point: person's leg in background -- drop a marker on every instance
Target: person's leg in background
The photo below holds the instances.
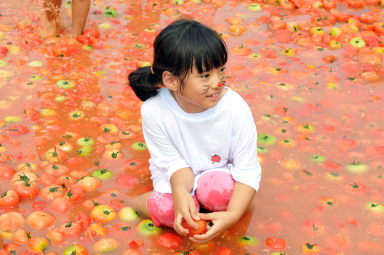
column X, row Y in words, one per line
column 52, row 12
column 80, row 9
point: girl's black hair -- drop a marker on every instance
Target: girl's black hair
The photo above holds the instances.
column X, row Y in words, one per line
column 178, row 48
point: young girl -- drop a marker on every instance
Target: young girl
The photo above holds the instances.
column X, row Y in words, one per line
column 200, row 134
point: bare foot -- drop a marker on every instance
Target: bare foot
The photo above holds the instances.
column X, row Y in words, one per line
column 48, row 29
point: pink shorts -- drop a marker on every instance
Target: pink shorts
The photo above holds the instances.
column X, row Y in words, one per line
column 214, row 190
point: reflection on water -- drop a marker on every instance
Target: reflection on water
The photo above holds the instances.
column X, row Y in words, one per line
column 318, row 112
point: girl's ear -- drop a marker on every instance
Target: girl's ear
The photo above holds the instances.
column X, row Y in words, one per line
column 170, row 81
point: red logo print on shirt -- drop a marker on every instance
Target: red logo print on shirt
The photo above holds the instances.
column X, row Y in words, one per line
column 215, row 159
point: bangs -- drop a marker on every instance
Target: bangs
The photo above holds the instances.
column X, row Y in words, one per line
column 202, row 48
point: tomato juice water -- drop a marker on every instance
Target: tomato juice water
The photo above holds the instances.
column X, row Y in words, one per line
column 312, row 75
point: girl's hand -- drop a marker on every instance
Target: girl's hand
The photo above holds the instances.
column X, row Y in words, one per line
column 185, row 208
column 221, row 221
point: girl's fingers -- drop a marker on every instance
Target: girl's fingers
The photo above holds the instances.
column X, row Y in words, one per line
column 192, row 210
column 178, row 227
column 189, row 220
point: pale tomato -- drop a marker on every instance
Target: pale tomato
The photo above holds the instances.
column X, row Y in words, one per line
column 11, row 221
column 89, row 183
column 60, row 205
column 40, row 220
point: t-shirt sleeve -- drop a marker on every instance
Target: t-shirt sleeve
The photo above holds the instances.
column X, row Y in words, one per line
column 164, row 155
column 245, row 165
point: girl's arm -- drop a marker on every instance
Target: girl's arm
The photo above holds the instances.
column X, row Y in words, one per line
column 182, row 184
column 240, row 200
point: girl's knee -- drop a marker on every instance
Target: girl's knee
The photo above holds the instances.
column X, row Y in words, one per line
column 215, row 190
column 160, row 207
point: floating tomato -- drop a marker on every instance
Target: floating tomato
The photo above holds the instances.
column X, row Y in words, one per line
column 170, row 241
column 17, row 130
column 11, row 221
column 276, row 243
column 9, row 199
column 223, row 251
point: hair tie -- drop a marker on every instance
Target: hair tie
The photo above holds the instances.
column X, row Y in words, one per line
column 152, row 70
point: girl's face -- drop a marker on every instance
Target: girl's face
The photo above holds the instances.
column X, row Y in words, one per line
column 201, row 91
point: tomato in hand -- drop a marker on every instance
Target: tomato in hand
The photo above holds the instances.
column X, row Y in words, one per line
column 201, row 227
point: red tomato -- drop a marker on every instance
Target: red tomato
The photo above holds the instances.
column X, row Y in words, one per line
column 27, row 190
column 60, row 205
column 126, row 181
column 83, row 219
column 17, row 130
column 39, row 205
column 9, row 199
column 201, row 227
column 170, row 241
column 70, row 229
column 276, row 243
column 3, row 50
column 223, row 251
column 6, row 172
column 75, row 193
column 91, row 32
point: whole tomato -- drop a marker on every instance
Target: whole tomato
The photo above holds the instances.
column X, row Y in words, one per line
column 201, row 227
column 223, row 251
column 6, row 172
column 91, row 32
column 9, row 199
column 27, row 190
column 170, row 241
column 3, row 50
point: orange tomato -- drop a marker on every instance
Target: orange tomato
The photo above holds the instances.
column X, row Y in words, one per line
column 56, row 236
column 40, row 220
column 11, row 221
column 89, row 183
column 21, row 236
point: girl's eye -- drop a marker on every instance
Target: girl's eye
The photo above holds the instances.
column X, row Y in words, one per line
column 204, row 76
column 222, row 69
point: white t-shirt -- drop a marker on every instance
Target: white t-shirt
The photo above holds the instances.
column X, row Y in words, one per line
column 222, row 137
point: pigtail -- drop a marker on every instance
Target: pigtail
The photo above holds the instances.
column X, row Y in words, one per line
column 144, row 82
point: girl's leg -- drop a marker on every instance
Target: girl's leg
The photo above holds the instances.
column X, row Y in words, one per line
column 52, row 9
column 80, row 9
column 140, row 204
column 158, row 206
column 214, row 190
